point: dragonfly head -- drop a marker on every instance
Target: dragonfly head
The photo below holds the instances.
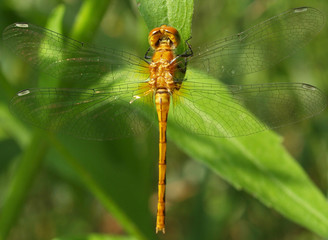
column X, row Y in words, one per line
column 164, row 34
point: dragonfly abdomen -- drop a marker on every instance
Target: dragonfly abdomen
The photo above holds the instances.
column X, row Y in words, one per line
column 162, row 101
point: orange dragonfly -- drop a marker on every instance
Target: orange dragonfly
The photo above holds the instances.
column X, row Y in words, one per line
column 100, row 87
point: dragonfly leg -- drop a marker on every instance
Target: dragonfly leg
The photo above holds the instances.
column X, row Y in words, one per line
column 146, row 54
column 188, row 52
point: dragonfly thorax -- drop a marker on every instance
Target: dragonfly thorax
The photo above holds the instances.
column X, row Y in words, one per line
column 161, row 74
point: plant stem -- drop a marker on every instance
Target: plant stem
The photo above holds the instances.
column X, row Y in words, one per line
column 88, row 19
column 21, row 183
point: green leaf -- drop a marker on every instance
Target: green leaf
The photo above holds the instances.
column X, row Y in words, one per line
column 259, row 164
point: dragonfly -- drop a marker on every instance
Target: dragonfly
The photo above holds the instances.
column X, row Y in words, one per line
column 104, row 94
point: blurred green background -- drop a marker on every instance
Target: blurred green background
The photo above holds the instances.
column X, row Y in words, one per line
column 75, row 187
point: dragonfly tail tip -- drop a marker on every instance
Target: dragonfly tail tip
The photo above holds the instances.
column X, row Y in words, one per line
column 160, row 230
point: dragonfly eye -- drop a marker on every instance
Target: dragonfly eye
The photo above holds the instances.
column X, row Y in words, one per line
column 162, row 34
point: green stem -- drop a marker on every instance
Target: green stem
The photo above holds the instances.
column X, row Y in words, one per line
column 6, row 90
column 21, row 183
column 88, row 19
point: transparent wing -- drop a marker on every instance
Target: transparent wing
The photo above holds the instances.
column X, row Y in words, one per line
column 77, row 64
column 238, row 110
column 99, row 85
column 97, row 114
column 261, row 46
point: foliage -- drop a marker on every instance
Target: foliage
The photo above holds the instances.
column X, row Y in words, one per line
column 46, row 180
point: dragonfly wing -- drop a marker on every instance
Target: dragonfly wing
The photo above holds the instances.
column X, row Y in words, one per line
column 84, row 113
column 238, row 110
column 261, row 46
column 77, row 64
